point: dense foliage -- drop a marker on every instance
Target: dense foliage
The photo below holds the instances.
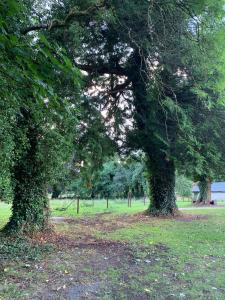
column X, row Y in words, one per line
column 116, row 179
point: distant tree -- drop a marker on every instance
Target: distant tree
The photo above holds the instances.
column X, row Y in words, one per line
column 115, row 179
column 208, row 165
column 183, row 186
column 56, row 191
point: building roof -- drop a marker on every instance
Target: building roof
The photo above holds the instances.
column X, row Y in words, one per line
column 215, row 187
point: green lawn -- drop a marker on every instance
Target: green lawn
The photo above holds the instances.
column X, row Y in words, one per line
column 118, row 256
column 136, row 257
column 190, row 255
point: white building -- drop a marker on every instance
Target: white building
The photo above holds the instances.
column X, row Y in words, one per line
column 217, row 191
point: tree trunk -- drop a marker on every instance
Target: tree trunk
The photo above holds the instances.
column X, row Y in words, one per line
column 56, row 191
column 209, row 196
column 204, row 190
column 30, row 204
column 162, row 187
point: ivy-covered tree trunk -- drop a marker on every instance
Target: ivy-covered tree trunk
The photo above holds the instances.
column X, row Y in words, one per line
column 204, row 190
column 30, row 204
column 150, row 121
column 162, row 186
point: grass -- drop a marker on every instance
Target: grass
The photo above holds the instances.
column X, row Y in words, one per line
column 118, row 256
column 4, row 213
column 87, row 207
column 191, row 262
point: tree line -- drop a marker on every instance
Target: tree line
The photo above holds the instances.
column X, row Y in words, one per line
column 117, row 178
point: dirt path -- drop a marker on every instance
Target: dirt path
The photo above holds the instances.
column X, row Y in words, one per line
column 107, row 222
column 87, row 262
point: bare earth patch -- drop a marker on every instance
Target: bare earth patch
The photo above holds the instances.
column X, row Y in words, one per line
column 108, row 223
column 190, row 218
column 89, row 258
column 104, row 221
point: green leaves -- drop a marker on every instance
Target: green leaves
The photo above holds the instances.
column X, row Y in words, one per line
column 10, row 7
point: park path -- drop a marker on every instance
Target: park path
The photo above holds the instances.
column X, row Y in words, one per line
column 202, row 207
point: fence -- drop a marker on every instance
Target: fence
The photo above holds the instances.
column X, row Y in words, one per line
column 78, row 205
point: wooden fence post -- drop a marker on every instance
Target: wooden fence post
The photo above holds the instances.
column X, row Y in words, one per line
column 78, row 205
column 129, row 198
column 107, row 202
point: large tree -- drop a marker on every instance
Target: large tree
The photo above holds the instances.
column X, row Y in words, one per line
column 39, row 122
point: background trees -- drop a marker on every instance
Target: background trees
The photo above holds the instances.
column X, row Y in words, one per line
column 117, row 178
column 207, row 164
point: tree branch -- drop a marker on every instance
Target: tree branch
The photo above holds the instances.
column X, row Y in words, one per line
column 102, row 69
column 120, row 87
column 74, row 13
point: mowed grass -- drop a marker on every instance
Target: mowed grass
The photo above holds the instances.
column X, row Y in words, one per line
column 187, row 258
column 152, row 258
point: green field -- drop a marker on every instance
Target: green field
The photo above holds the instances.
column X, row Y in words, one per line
column 68, row 207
